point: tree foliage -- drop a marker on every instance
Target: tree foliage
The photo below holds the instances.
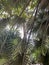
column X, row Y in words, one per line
column 31, row 17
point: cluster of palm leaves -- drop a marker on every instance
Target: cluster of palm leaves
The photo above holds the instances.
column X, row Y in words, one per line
column 33, row 17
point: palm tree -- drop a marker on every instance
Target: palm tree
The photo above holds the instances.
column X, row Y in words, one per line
column 15, row 14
